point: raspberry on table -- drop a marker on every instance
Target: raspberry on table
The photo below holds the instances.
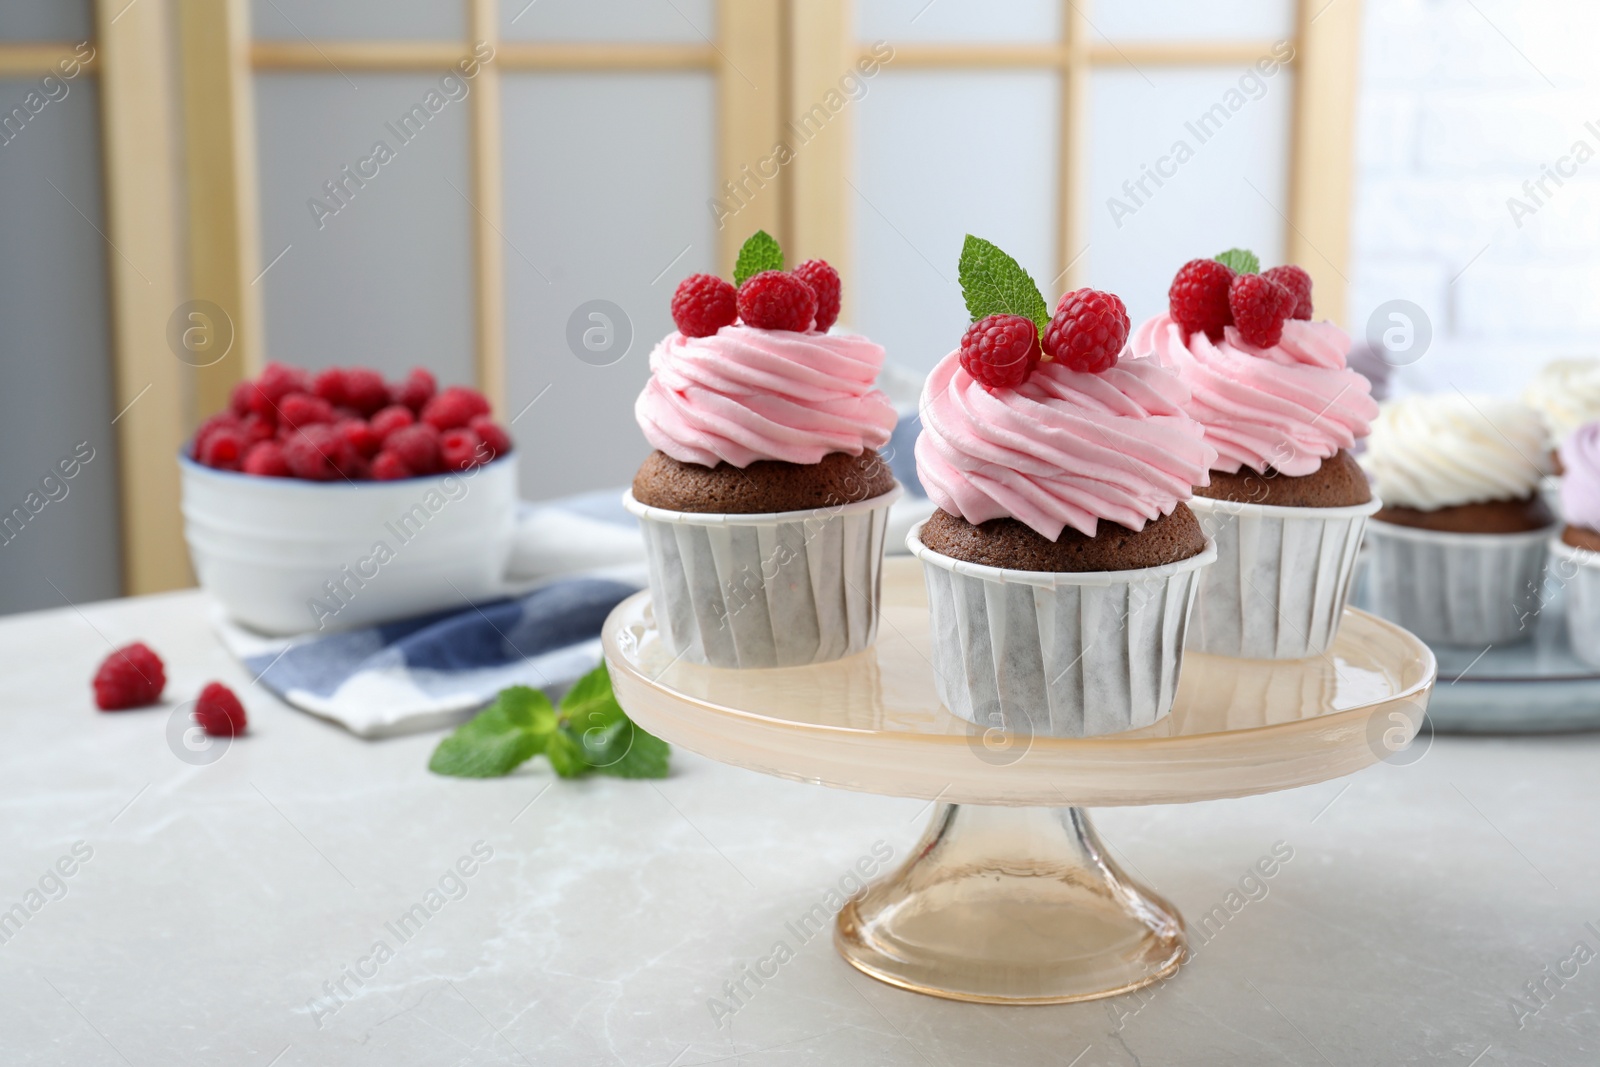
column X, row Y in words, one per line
column 1088, row 331
column 461, row 449
column 417, row 447
column 1000, row 351
column 415, row 392
column 454, row 407
column 388, row 467
column 265, row 458
column 131, row 677
column 1198, row 298
column 777, row 300
column 704, row 304
column 1260, row 308
column 824, row 281
column 1298, row 282
column 298, row 410
column 492, row 434
column 392, row 418
column 219, row 712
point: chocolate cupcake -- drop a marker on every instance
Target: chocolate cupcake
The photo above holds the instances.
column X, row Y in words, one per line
column 1285, row 500
column 765, row 504
column 1062, row 563
column 1458, row 549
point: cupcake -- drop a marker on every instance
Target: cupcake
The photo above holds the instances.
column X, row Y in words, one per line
column 1285, row 500
column 1458, row 549
column 1577, row 550
column 765, row 503
column 1061, row 561
column 1566, row 394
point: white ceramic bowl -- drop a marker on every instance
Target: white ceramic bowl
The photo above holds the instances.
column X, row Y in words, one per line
column 285, row 556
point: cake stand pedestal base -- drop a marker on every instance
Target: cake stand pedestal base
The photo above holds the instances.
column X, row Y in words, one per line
column 1011, row 905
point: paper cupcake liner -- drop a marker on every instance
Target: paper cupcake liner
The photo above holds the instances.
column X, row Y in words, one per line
column 1281, row 580
column 1578, row 572
column 775, row 590
column 1456, row 588
column 1058, row 654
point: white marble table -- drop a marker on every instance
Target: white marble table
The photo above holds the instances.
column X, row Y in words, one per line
column 216, row 901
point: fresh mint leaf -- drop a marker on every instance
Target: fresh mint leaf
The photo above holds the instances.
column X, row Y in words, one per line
column 607, row 739
column 759, row 253
column 646, row 756
column 1240, row 261
column 995, row 284
column 565, row 753
column 499, row 738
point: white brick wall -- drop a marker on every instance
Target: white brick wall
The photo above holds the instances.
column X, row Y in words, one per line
column 1461, row 103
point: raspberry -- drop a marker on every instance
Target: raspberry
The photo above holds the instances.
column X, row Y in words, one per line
column 388, row 467
column 454, row 407
column 777, row 300
column 361, row 437
column 824, row 281
column 256, row 428
column 392, row 418
column 224, row 448
column 219, row 712
column 1088, row 331
column 278, row 381
column 298, row 410
column 1298, row 282
column 417, row 447
column 1198, row 298
column 318, row 453
column 225, row 421
column 1000, row 351
column 239, row 399
column 492, row 435
column 461, row 449
column 364, row 390
column 265, row 458
column 704, row 304
column 1260, row 308
column 329, row 385
column 416, row 390
column 130, row 677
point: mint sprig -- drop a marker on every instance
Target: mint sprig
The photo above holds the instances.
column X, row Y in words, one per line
column 1240, row 261
column 589, row 732
column 992, row 283
column 760, row 252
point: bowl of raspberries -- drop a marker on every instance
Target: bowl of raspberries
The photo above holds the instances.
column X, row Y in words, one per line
column 333, row 499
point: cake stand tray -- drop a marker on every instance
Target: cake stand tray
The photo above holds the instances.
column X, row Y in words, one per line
column 1010, row 897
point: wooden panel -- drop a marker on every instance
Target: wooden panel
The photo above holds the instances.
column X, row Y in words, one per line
column 224, row 247
column 1320, row 164
column 488, row 221
column 1072, row 135
column 32, row 59
column 1043, row 54
column 750, row 105
column 1178, row 53
column 820, row 203
column 510, row 55
column 142, row 266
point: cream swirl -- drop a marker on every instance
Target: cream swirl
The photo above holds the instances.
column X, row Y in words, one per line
column 1431, row 452
column 744, row 394
column 1566, row 393
column 1288, row 407
column 1580, row 477
column 1063, row 448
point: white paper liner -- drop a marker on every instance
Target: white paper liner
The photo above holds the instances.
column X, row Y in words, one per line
column 1457, row 588
column 1578, row 572
column 777, row 590
column 1059, row 654
column 1281, row 580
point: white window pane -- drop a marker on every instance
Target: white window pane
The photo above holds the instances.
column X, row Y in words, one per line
column 384, row 281
column 607, row 182
column 684, row 21
column 46, row 20
column 362, row 19
column 958, row 20
column 1227, row 192
column 923, row 186
column 1185, row 20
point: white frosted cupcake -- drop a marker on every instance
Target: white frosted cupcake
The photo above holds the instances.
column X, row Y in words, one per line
column 1566, row 394
column 1458, row 549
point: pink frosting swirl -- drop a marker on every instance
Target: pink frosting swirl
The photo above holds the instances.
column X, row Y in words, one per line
column 1062, row 449
column 1288, row 407
column 745, row 394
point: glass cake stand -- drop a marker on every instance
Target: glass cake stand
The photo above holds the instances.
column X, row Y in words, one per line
column 1010, row 897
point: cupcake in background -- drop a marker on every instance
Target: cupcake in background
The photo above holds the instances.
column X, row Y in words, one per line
column 1577, row 550
column 765, row 505
column 1566, row 394
column 1286, row 500
column 1458, row 549
column 1061, row 563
